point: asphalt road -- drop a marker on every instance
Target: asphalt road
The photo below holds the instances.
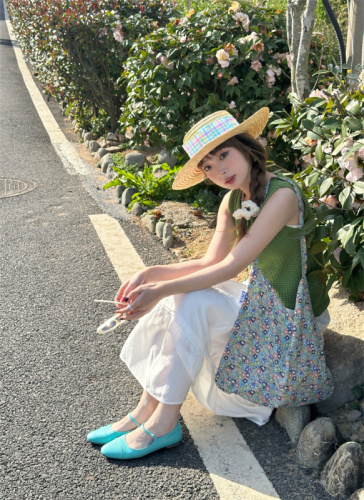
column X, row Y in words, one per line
column 59, row 379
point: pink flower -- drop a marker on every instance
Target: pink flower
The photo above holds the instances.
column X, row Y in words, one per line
column 243, row 19
column 263, row 141
column 318, row 93
column 272, row 134
column 233, row 81
column 288, row 58
column 118, row 35
column 355, row 172
column 308, row 159
column 330, row 200
column 232, row 105
column 337, row 253
column 361, row 153
column 183, row 39
column 219, row 75
column 256, row 66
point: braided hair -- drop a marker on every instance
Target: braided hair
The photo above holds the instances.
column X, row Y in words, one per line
column 255, row 154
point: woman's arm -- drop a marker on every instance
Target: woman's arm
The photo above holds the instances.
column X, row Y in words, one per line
column 281, row 208
column 220, row 245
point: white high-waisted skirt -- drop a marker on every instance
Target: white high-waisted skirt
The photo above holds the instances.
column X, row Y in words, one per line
column 178, row 345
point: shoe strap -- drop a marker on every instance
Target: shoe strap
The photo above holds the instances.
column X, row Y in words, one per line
column 153, row 436
column 133, row 420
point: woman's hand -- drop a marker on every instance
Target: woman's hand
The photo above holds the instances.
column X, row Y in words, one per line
column 136, row 280
column 141, row 300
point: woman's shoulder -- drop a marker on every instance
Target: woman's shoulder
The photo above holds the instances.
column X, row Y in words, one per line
column 276, row 183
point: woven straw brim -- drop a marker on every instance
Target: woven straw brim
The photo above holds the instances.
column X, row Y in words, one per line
column 190, row 174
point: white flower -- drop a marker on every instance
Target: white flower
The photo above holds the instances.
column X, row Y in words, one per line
column 232, row 105
column 222, row 58
column 183, row 39
column 129, row 133
column 248, row 210
column 118, row 36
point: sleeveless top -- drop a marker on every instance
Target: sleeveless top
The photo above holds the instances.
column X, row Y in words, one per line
column 280, row 261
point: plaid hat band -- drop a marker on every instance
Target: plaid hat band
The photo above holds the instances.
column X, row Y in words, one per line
column 208, row 133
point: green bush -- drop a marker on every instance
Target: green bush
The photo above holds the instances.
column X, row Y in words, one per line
column 223, row 58
column 78, row 47
column 328, row 132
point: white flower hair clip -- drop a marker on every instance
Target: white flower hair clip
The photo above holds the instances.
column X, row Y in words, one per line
column 248, row 210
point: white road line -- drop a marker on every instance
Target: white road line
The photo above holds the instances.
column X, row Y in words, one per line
column 232, row 466
column 64, row 149
column 118, row 247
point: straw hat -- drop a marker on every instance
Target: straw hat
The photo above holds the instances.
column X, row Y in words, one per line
column 207, row 134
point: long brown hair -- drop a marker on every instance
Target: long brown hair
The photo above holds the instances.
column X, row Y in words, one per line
column 256, row 156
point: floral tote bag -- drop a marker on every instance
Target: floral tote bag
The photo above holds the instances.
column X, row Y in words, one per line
column 275, row 358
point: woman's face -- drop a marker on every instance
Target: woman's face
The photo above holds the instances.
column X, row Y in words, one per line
column 227, row 168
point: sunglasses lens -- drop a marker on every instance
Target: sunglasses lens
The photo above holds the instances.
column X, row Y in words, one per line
column 108, row 326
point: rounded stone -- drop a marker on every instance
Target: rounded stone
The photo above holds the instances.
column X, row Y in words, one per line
column 317, row 442
column 137, row 159
column 166, row 157
column 119, row 190
column 93, row 146
column 104, row 167
column 344, row 472
column 167, row 235
column 358, row 495
column 88, row 136
column 294, row 420
column 127, row 195
column 159, row 229
column 149, row 222
column 111, row 137
column 101, row 152
column 137, row 209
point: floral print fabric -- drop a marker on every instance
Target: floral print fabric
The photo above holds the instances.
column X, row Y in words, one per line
column 275, row 358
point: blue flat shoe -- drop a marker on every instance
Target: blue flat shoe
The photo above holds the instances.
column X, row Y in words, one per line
column 118, row 449
column 105, row 434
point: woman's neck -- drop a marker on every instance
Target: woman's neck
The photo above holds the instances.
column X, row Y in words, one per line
column 246, row 191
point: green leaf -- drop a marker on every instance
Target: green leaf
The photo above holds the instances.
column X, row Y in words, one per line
column 115, row 182
column 308, row 124
column 353, row 107
column 345, row 235
column 353, row 123
column 359, row 187
column 346, row 277
column 338, row 148
column 318, row 247
column 326, row 185
column 331, row 123
column 346, row 198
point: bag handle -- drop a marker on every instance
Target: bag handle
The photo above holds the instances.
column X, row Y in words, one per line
column 300, row 222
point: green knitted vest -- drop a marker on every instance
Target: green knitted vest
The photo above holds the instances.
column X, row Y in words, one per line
column 280, row 261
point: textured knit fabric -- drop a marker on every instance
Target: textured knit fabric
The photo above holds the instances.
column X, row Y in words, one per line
column 280, row 261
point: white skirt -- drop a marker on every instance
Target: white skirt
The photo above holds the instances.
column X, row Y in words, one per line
column 178, row 345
